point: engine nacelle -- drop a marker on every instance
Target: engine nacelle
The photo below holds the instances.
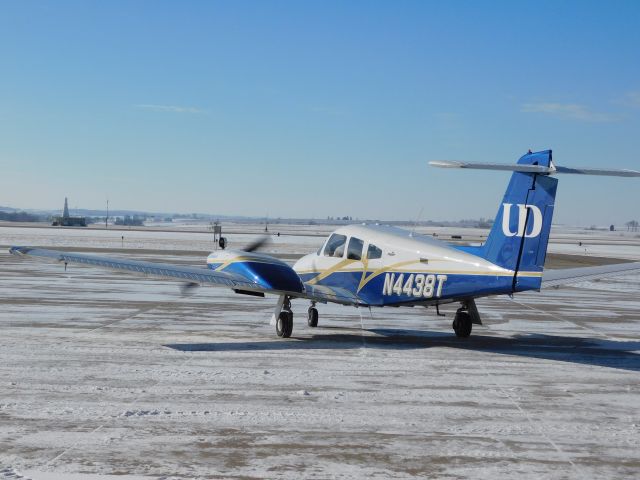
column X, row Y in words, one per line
column 267, row 271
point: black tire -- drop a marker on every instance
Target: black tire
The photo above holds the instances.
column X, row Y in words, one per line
column 289, row 328
column 280, row 323
column 312, row 317
column 462, row 324
column 284, row 324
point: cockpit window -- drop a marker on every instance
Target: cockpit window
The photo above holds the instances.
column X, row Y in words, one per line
column 335, row 246
column 373, row 252
column 354, row 251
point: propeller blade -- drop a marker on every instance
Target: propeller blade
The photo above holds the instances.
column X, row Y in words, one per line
column 189, row 288
column 258, row 244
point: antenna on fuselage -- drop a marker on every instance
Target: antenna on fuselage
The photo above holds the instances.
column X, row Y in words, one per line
column 415, row 224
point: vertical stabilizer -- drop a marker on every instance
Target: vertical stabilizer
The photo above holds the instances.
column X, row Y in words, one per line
column 520, row 234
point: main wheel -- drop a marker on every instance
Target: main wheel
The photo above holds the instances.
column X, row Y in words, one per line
column 462, row 324
column 284, row 325
column 312, row 317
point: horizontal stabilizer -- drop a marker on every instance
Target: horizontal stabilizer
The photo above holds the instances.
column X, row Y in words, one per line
column 493, row 166
column 599, row 171
column 539, row 169
column 567, row 276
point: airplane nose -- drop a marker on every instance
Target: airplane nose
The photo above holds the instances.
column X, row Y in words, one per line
column 303, row 262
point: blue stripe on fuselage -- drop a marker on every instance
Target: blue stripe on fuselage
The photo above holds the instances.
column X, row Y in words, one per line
column 455, row 286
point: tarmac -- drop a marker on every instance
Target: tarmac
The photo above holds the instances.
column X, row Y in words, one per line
column 108, row 375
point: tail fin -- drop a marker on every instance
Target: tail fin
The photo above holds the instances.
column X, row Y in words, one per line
column 520, row 234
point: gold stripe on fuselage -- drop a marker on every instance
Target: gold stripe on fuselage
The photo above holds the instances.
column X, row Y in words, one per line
column 380, row 271
column 325, row 273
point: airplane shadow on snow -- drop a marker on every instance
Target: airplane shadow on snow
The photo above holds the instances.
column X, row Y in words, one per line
column 579, row 350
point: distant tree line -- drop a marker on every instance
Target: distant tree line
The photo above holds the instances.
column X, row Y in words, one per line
column 20, row 217
column 632, row 226
column 343, row 219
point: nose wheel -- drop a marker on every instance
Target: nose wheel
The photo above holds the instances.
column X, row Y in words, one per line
column 312, row 315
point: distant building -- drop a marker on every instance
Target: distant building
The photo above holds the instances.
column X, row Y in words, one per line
column 130, row 221
column 67, row 220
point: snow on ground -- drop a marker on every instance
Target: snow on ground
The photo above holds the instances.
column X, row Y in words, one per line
column 182, row 240
column 104, row 374
column 629, row 252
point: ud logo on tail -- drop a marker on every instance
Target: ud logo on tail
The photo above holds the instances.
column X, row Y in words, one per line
column 522, row 219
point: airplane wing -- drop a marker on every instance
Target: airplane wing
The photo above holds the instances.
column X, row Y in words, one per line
column 200, row 275
column 161, row 270
column 556, row 278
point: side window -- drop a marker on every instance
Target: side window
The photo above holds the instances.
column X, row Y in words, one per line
column 354, row 252
column 335, row 246
column 373, row 252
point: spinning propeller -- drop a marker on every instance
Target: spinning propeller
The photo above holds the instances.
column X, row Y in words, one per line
column 189, row 288
column 256, row 245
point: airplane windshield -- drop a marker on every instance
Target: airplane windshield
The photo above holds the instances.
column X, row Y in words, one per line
column 335, row 246
column 354, row 251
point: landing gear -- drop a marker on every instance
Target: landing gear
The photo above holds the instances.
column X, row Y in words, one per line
column 312, row 315
column 465, row 317
column 284, row 322
column 462, row 324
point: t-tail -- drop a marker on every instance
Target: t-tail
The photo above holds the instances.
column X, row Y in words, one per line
column 520, row 234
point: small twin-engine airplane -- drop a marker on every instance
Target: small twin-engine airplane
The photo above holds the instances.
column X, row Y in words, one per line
column 377, row 266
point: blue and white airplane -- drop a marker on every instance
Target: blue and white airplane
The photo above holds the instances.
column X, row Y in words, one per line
column 377, row 266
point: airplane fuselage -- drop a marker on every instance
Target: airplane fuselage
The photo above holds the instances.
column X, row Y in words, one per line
column 390, row 266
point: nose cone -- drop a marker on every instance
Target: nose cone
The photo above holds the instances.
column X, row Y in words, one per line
column 305, row 263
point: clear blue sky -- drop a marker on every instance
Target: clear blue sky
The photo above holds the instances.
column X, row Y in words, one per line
column 315, row 108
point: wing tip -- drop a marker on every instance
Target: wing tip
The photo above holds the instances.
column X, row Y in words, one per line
column 446, row 164
column 15, row 250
